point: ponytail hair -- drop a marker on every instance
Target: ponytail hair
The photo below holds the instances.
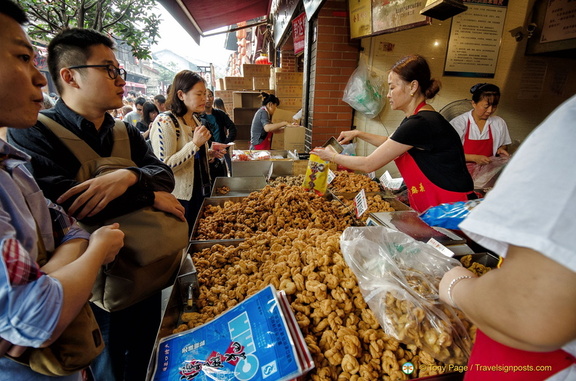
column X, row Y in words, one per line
column 267, row 98
column 415, row 68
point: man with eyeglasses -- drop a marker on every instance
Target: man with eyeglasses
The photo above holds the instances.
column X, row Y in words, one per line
column 135, row 116
column 90, row 82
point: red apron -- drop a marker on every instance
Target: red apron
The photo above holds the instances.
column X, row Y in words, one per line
column 491, row 360
column 265, row 144
column 422, row 193
column 482, row 147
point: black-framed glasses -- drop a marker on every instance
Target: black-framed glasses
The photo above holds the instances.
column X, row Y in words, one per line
column 113, row 71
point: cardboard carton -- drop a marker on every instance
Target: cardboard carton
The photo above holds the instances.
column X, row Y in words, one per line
column 255, row 70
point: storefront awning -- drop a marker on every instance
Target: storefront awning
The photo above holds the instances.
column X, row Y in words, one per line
column 198, row 17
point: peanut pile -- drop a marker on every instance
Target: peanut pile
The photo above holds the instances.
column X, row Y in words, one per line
column 288, row 180
column 352, row 182
column 272, row 209
column 341, row 332
column 375, row 204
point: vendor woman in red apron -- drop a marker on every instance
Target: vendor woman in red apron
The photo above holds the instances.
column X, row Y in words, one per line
column 262, row 127
column 425, row 147
column 483, row 134
column 525, row 311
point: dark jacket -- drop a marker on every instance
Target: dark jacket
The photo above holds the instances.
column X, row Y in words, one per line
column 54, row 167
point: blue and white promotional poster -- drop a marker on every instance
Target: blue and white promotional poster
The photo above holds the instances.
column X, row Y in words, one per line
column 251, row 341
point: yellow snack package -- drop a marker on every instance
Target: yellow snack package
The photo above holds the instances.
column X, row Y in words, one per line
column 316, row 178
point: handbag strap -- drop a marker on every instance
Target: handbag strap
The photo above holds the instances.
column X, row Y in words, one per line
column 80, row 148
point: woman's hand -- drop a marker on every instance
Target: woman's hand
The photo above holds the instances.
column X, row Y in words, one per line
column 502, row 152
column 216, row 153
column 201, row 136
column 478, row 159
column 347, row 136
column 447, row 279
column 326, row 154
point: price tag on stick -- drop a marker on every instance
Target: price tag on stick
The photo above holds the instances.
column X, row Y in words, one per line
column 361, row 203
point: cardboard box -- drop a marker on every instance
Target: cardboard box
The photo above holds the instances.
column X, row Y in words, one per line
column 221, row 85
column 244, row 115
column 287, row 78
column 255, row 70
column 246, row 99
column 288, row 91
column 291, row 138
column 281, row 115
column 291, row 103
column 261, row 83
column 238, row 83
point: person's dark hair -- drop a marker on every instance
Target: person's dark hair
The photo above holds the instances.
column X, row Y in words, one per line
column 132, row 93
column 139, row 101
column 219, row 104
column 415, row 68
column 147, row 108
column 487, row 91
column 14, row 11
column 267, row 98
column 185, row 81
column 72, row 47
column 160, row 98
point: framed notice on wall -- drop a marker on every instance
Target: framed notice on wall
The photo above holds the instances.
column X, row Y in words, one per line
column 360, row 18
column 475, row 41
column 394, row 15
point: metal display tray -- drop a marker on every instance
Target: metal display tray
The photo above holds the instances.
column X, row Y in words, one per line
column 178, row 300
column 386, row 195
column 408, row 222
column 239, row 186
column 214, row 201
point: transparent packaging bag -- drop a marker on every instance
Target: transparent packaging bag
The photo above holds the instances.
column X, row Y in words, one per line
column 399, row 277
column 364, row 90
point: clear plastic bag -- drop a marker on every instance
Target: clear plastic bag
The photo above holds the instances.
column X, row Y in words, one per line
column 399, row 278
column 363, row 91
column 484, row 175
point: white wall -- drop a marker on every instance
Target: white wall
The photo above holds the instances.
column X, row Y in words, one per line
column 431, row 41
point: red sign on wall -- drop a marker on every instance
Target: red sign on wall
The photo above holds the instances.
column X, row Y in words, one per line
column 299, row 32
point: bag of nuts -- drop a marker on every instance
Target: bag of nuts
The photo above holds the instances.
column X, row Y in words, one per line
column 399, row 277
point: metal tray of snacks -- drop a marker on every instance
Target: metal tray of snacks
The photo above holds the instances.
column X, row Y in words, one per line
column 237, row 186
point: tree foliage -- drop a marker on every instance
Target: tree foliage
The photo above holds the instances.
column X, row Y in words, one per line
column 133, row 21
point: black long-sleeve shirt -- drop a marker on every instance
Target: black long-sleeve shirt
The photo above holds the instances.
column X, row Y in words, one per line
column 54, row 167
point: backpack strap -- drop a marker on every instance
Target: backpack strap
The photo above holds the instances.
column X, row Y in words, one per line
column 80, row 148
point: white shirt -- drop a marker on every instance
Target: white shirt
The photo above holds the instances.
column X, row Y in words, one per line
column 533, row 202
column 500, row 135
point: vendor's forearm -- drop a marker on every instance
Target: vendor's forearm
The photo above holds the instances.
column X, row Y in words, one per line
column 535, row 314
column 375, row 140
column 357, row 163
column 274, row 126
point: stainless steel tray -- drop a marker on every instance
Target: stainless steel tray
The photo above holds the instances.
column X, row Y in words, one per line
column 408, row 221
column 239, row 186
column 179, row 296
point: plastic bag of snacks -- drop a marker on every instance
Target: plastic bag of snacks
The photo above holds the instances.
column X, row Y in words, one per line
column 449, row 215
column 316, row 178
column 399, row 277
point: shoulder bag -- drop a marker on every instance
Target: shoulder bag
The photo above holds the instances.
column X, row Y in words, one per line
column 154, row 241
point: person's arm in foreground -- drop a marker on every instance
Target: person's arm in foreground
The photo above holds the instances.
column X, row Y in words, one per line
column 383, row 155
column 529, row 303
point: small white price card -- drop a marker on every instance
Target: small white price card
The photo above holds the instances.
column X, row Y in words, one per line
column 361, row 203
column 390, row 183
column 372, row 175
column 331, row 176
column 441, row 248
